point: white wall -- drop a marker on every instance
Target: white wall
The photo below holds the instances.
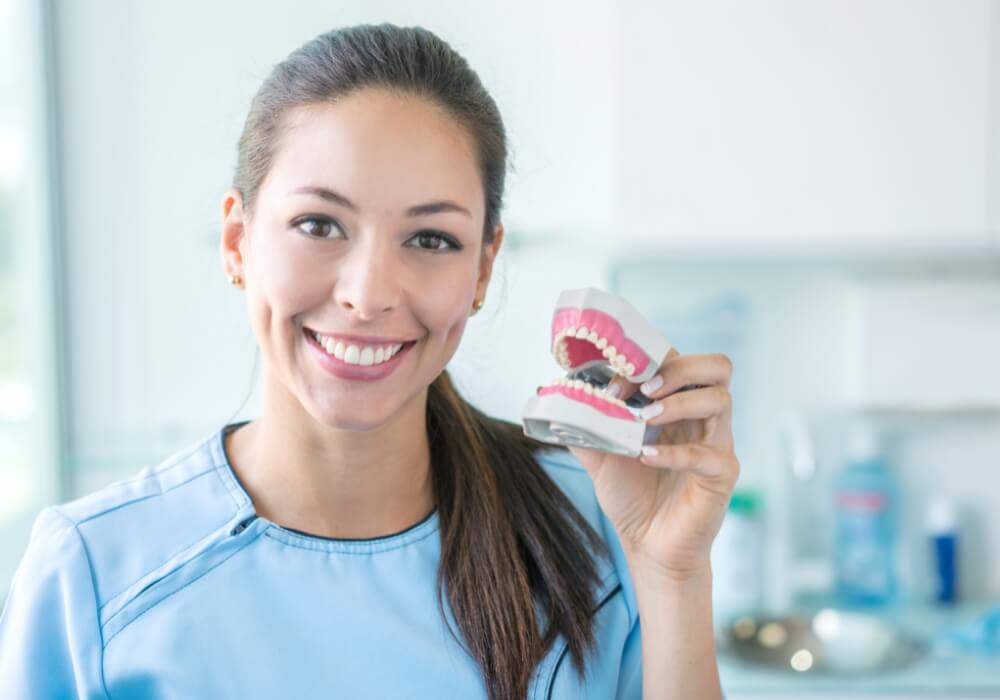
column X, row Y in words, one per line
column 153, row 95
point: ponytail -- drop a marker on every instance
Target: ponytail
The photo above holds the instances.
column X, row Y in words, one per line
column 510, row 539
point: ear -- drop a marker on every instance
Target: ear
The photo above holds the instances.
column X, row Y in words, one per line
column 486, row 262
column 233, row 233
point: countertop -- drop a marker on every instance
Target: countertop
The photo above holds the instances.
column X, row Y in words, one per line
column 935, row 675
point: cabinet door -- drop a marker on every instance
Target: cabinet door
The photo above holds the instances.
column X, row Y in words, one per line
column 826, row 121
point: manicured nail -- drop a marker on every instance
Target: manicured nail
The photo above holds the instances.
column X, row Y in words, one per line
column 653, row 409
column 615, row 390
column 648, row 451
column 652, row 385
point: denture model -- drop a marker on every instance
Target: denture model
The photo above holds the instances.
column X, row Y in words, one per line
column 596, row 336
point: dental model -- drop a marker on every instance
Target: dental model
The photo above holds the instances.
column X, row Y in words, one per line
column 595, row 337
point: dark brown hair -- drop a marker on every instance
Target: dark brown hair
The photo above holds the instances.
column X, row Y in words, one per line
column 510, row 538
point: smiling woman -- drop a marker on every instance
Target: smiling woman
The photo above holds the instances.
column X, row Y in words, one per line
column 371, row 533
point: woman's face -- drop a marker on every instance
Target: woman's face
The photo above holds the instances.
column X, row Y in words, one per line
column 336, row 245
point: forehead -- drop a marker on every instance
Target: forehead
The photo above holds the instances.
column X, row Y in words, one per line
column 382, row 151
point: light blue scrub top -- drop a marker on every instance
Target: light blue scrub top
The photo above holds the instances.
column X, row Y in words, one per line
column 167, row 585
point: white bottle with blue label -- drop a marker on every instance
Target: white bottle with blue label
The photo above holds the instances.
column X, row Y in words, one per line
column 865, row 529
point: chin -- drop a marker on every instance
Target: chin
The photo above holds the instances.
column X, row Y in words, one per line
column 346, row 414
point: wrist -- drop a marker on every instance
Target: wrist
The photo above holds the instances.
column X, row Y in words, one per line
column 645, row 570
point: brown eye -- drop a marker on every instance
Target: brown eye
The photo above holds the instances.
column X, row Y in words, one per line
column 316, row 227
column 435, row 242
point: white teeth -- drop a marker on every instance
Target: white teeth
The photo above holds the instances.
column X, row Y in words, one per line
column 355, row 355
column 618, row 361
column 589, row 389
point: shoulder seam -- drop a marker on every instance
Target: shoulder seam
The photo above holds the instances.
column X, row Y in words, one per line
column 137, row 499
column 93, row 589
column 167, row 465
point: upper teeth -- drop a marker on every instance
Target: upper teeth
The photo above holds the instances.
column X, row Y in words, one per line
column 357, row 354
column 619, row 363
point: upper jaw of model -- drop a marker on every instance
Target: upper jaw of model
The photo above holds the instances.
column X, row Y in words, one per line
column 590, row 328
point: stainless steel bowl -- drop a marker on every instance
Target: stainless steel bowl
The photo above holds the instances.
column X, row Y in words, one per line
column 829, row 641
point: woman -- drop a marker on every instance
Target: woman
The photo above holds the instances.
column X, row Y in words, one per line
column 371, row 534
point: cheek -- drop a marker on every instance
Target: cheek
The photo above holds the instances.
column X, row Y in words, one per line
column 445, row 309
column 287, row 284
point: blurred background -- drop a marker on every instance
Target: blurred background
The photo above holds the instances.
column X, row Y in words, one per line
column 811, row 188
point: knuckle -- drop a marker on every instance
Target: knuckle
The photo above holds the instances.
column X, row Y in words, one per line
column 727, row 363
column 727, row 399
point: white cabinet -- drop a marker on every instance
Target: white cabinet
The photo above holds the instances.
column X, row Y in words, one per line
column 923, row 345
column 858, row 123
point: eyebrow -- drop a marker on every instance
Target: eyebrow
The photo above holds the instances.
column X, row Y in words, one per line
column 417, row 210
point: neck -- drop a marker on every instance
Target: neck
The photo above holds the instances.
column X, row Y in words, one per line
column 331, row 482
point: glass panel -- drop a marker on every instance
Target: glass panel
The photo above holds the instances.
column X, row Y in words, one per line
column 28, row 471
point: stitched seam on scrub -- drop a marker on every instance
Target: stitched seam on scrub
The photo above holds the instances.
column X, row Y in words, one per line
column 608, row 596
column 562, row 654
column 173, row 593
column 93, row 587
column 176, row 461
column 605, row 593
column 144, row 497
column 363, row 550
column 189, row 545
column 226, row 476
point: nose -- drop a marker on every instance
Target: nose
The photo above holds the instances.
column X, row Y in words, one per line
column 368, row 281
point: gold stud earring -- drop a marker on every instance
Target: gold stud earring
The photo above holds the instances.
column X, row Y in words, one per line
column 477, row 305
column 236, row 281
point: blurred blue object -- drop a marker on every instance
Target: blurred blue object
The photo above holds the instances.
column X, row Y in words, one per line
column 981, row 636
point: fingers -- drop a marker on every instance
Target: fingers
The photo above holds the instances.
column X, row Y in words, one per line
column 697, row 459
column 685, row 370
column 697, row 403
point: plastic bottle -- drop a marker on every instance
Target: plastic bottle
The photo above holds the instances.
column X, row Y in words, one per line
column 941, row 525
column 738, row 558
column 865, row 529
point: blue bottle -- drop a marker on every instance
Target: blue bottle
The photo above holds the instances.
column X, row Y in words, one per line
column 865, row 529
column 941, row 523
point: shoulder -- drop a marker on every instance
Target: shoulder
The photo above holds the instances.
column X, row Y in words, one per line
column 576, row 483
column 136, row 525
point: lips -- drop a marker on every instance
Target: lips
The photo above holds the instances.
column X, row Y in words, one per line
column 357, row 372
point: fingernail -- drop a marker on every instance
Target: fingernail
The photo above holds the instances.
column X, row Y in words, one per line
column 649, row 451
column 615, row 390
column 652, row 385
column 653, row 409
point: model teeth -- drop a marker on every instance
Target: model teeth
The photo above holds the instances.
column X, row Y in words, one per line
column 619, row 363
column 589, row 389
column 364, row 355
